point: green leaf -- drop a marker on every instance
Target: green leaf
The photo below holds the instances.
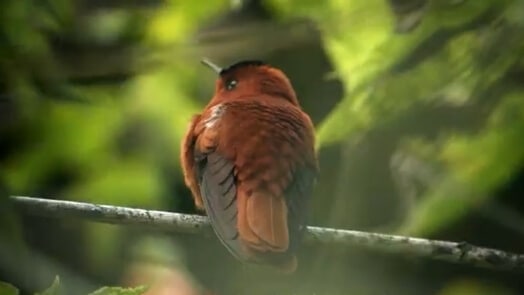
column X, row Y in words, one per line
column 477, row 165
column 120, row 291
column 367, row 58
column 8, row 289
column 53, row 289
column 467, row 286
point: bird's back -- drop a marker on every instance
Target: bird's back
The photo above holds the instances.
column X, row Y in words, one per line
column 271, row 152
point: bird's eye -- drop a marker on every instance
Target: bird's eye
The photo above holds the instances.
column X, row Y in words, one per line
column 231, row 84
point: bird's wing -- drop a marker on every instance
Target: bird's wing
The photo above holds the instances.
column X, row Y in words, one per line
column 275, row 223
column 297, row 195
column 277, row 215
column 217, row 184
column 215, row 175
column 298, row 192
column 187, row 159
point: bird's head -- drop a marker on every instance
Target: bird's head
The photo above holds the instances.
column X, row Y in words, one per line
column 249, row 79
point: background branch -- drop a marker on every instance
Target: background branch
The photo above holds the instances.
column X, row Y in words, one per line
column 461, row 252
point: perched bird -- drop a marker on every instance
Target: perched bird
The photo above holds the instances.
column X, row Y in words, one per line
column 250, row 163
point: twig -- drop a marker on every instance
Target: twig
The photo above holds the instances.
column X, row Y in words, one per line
column 463, row 253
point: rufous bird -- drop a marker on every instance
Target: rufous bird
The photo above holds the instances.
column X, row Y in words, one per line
column 250, row 163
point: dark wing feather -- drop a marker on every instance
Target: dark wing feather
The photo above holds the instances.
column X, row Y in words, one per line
column 298, row 194
column 218, row 189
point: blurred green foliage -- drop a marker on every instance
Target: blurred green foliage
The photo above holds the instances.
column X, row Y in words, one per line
column 120, row 291
column 8, row 289
column 369, row 59
column 54, row 289
column 477, row 163
column 473, row 287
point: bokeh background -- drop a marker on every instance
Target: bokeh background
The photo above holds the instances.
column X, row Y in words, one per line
column 419, row 113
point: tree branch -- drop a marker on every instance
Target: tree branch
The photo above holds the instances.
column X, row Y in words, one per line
column 462, row 253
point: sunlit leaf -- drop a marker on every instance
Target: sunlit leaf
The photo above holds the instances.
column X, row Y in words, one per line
column 54, row 289
column 178, row 19
column 473, row 287
column 120, row 291
column 8, row 289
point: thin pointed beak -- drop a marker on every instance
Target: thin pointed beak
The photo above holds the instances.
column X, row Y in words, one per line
column 213, row 66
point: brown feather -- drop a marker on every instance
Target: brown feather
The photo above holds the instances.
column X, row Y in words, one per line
column 268, row 160
column 244, row 230
column 267, row 218
column 249, row 159
column 188, row 162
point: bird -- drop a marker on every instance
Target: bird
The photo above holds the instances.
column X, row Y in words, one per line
column 249, row 161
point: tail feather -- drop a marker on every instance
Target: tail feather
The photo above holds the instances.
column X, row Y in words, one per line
column 267, row 218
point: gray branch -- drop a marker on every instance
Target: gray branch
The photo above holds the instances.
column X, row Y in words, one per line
column 463, row 253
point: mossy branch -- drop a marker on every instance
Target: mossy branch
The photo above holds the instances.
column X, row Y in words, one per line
column 456, row 252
